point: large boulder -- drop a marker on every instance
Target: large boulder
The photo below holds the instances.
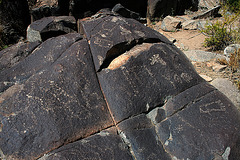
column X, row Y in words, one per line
column 119, row 91
column 121, row 10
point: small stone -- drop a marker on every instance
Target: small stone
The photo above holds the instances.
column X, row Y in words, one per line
column 231, row 49
column 170, row 24
column 173, row 40
column 207, row 78
column 219, row 67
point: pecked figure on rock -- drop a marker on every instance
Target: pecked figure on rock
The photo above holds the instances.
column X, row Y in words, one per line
column 118, row 91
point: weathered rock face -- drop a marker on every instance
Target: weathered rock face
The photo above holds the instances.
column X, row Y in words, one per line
column 14, row 18
column 121, row 92
column 12, row 55
column 67, row 103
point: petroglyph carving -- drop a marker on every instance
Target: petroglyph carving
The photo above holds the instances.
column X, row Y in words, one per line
column 186, row 77
column 216, row 106
column 157, row 59
column 124, row 31
column 99, row 42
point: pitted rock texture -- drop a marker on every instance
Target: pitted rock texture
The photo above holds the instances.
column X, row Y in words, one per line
column 119, row 91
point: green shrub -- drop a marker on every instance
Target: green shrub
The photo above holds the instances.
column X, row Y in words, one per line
column 232, row 5
column 222, row 33
column 218, row 36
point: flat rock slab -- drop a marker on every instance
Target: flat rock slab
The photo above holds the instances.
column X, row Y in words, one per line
column 48, row 27
column 190, row 25
column 202, row 56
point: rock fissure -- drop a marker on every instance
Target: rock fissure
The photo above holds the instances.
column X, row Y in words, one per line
column 124, row 140
column 127, row 142
column 48, row 153
column 145, row 113
column 59, row 56
column 121, row 48
column 188, row 104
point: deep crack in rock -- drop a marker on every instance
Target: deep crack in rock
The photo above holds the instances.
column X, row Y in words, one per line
column 121, row 48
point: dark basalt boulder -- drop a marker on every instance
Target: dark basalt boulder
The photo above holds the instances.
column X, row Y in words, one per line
column 12, row 55
column 48, row 27
column 118, row 91
column 121, row 10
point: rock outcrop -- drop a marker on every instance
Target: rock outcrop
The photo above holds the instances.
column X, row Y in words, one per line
column 118, row 91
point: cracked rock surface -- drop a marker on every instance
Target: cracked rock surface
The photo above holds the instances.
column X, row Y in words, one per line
column 119, row 91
